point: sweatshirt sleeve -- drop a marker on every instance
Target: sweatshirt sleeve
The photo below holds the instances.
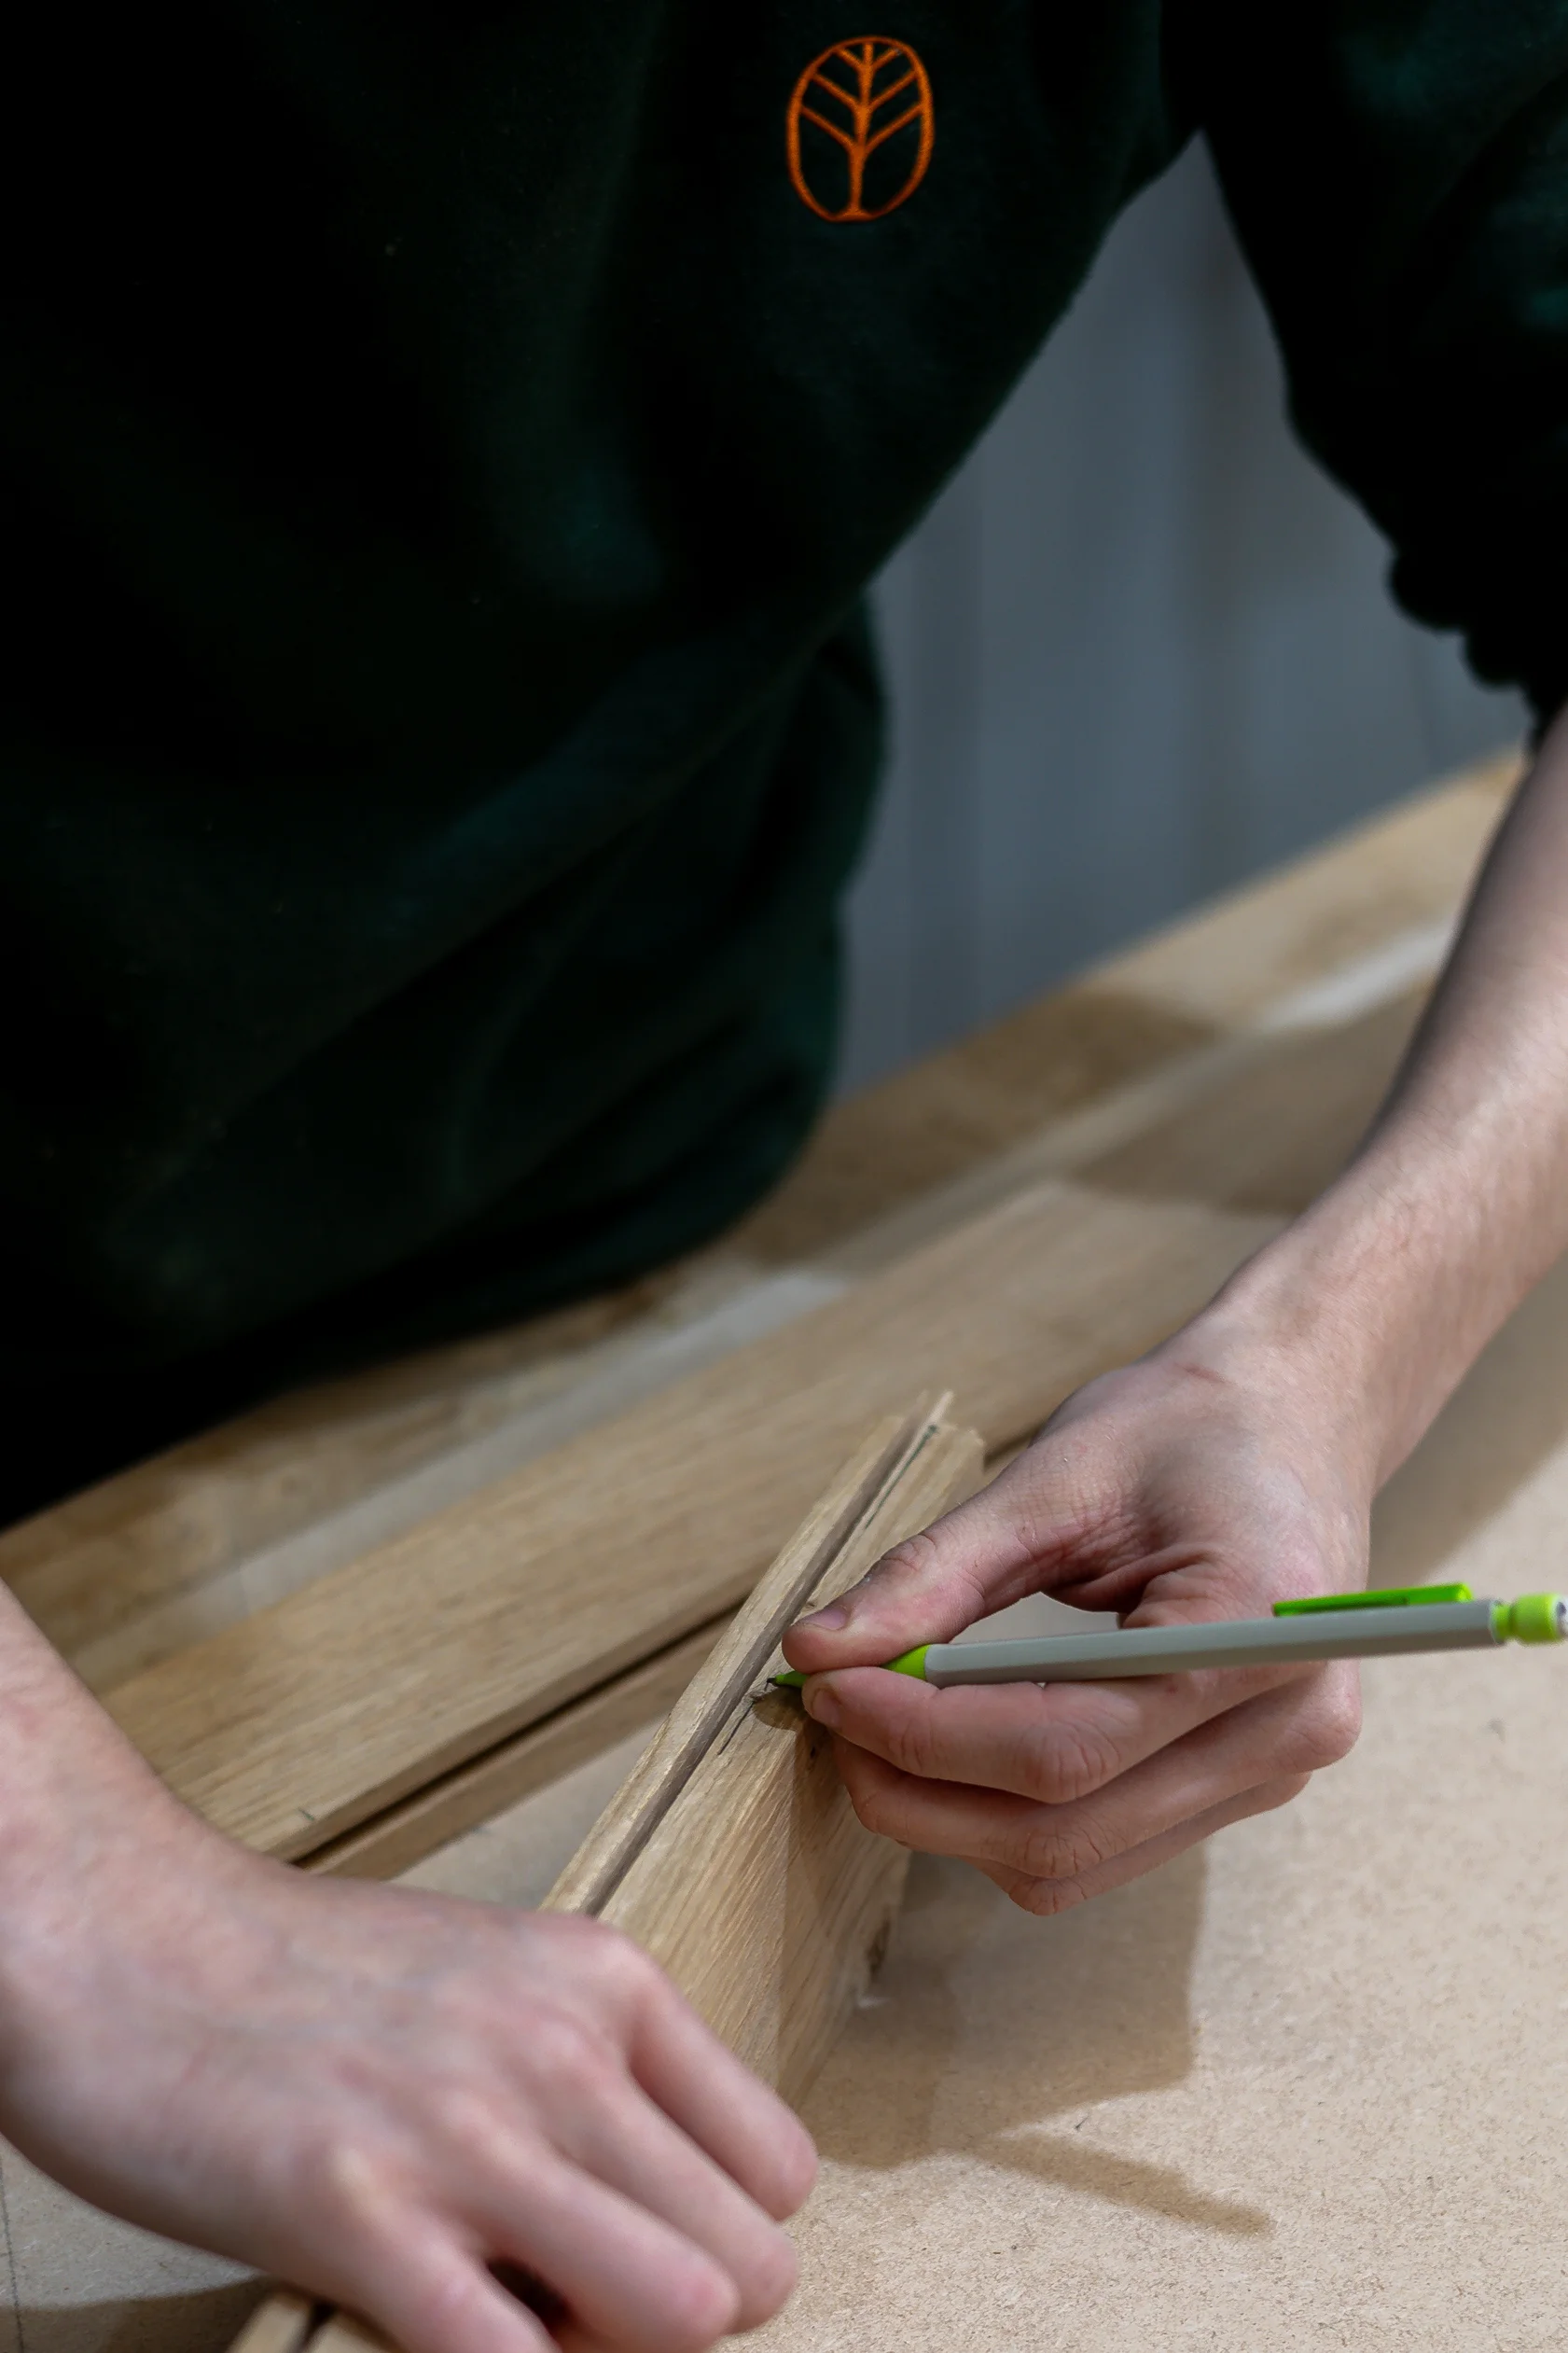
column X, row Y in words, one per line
column 1397, row 170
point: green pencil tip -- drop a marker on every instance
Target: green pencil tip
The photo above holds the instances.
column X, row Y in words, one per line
column 910, row 1663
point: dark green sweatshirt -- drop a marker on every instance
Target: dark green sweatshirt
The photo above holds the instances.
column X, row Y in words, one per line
column 444, row 448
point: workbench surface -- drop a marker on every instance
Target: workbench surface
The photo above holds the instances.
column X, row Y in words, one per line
column 1305, row 2086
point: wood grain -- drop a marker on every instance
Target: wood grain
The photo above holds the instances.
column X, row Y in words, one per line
column 1144, row 1010
column 878, row 1467
column 298, row 1724
column 1310, row 917
column 97, row 1560
column 1270, row 1137
column 759, row 1891
column 404, row 1834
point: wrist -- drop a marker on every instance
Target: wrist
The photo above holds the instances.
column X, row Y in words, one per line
column 1311, row 1329
column 97, row 1863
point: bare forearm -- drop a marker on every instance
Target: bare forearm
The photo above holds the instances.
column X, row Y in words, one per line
column 1236, row 1464
column 72, row 1790
column 374, row 2091
column 1383, row 1293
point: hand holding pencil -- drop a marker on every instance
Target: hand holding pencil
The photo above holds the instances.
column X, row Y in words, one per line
column 1410, row 1621
column 1175, row 1499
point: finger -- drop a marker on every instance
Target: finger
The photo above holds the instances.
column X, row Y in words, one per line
column 565, row 2332
column 719, row 2104
column 974, row 1560
column 431, row 2294
column 622, row 2271
column 1047, row 1897
column 1284, row 1733
column 631, row 2146
column 1048, row 1741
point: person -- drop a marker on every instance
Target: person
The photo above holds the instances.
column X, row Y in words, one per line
column 446, row 450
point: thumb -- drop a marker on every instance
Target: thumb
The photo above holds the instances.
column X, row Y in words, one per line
column 971, row 1561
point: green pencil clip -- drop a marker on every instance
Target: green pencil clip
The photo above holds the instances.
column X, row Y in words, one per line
column 1393, row 1597
column 913, row 1662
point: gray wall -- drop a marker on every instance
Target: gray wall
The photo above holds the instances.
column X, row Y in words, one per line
column 1140, row 648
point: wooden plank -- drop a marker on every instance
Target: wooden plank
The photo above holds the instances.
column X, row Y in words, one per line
column 759, row 1891
column 101, row 1556
column 280, row 2325
column 1275, row 1134
column 1300, row 922
column 404, row 1834
column 882, row 1465
column 1141, row 1012
column 393, row 1841
column 298, row 1724
column 1263, row 1116
column 340, row 2333
column 93, row 1564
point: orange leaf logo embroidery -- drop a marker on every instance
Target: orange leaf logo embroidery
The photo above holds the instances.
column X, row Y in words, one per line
column 859, row 129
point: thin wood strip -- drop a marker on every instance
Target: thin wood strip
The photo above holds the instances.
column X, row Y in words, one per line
column 761, row 1894
column 687, row 1734
column 942, row 1475
column 395, row 1841
column 341, row 2332
column 281, row 2324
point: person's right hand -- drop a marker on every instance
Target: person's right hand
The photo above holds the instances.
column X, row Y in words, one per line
column 377, row 2094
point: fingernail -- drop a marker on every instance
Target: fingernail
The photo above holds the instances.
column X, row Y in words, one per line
column 829, row 1620
column 822, row 1706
